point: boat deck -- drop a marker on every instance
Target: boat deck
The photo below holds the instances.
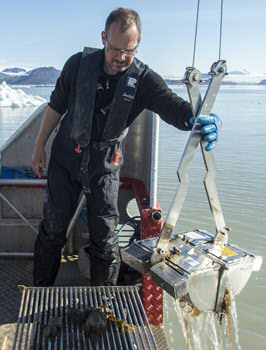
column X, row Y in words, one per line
column 18, row 271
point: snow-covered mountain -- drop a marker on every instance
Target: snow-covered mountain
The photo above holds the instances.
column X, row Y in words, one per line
column 245, row 77
column 14, row 71
column 38, row 76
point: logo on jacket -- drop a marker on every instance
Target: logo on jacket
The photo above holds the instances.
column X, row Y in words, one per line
column 131, row 82
column 128, row 97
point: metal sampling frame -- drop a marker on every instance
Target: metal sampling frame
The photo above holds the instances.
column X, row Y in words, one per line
column 196, row 266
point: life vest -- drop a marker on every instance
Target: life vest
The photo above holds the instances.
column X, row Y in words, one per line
column 88, row 75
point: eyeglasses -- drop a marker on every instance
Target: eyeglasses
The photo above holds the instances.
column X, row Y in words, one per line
column 116, row 52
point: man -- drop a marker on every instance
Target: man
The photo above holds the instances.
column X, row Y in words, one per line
column 101, row 92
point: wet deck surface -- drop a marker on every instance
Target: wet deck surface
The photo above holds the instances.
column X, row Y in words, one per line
column 14, row 272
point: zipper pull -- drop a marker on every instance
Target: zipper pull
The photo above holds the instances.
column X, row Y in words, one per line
column 78, row 149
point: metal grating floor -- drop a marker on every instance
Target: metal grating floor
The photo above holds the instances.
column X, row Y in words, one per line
column 39, row 305
column 19, row 271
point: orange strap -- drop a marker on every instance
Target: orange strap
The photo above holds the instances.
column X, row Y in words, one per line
column 116, row 159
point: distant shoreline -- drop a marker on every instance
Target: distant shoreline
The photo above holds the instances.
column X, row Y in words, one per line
column 31, row 85
column 180, row 82
column 47, row 76
column 170, row 82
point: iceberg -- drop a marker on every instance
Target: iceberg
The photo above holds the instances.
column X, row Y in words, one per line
column 17, row 98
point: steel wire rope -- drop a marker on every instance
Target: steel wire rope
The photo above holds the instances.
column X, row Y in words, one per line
column 196, row 32
column 221, row 29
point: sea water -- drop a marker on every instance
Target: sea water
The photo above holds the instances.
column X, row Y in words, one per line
column 241, row 181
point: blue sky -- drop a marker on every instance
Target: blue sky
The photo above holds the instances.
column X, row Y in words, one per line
column 45, row 33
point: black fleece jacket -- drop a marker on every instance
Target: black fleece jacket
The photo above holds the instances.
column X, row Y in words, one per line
column 152, row 94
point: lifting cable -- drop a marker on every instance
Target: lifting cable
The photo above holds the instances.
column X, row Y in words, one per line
column 196, row 32
column 221, row 27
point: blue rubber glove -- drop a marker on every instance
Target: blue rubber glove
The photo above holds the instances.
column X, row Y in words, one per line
column 210, row 129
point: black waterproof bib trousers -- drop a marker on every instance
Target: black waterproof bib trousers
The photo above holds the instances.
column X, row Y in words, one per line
column 63, row 190
column 98, row 177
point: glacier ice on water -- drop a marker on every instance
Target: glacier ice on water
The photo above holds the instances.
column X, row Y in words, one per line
column 16, row 98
